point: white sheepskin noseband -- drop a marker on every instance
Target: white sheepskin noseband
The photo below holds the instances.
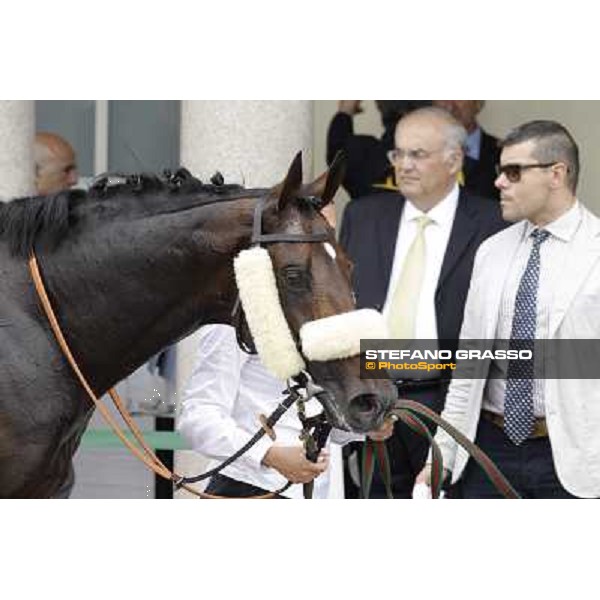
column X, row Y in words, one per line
column 339, row 336
column 325, row 339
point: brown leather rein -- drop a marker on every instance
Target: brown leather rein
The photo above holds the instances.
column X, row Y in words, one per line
column 143, row 452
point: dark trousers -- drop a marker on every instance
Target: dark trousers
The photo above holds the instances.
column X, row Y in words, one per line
column 529, row 467
column 407, row 450
column 221, row 485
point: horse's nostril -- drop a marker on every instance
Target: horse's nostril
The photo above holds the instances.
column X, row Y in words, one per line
column 364, row 411
column 364, row 405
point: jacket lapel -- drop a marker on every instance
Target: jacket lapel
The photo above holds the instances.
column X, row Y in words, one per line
column 463, row 230
column 582, row 256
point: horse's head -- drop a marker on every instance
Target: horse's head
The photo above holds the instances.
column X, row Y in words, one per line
column 297, row 294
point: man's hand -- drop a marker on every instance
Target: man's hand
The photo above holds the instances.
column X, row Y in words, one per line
column 424, row 476
column 329, row 213
column 292, row 463
column 384, row 432
column 350, row 107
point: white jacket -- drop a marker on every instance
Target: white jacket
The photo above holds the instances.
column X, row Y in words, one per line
column 572, row 405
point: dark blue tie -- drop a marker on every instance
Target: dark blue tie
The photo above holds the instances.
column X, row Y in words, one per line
column 518, row 401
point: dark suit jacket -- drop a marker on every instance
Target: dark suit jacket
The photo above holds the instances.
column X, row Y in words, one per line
column 481, row 174
column 368, row 234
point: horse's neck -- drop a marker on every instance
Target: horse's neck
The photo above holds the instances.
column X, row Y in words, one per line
column 143, row 293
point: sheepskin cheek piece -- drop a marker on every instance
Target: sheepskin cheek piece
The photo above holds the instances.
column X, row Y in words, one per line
column 325, row 339
column 260, row 301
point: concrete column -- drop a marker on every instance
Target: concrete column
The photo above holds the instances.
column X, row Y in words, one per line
column 17, row 128
column 251, row 143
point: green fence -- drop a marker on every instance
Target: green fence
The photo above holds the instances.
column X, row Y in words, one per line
column 159, row 440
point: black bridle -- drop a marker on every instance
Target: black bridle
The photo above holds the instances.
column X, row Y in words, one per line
column 259, row 239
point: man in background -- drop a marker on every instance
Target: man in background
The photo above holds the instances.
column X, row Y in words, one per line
column 481, row 149
column 55, row 165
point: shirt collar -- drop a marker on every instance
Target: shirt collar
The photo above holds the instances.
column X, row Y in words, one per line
column 441, row 214
column 564, row 227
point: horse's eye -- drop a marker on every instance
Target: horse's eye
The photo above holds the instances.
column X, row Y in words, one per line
column 296, row 278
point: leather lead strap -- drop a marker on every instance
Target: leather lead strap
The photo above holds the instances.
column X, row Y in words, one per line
column 401, row 407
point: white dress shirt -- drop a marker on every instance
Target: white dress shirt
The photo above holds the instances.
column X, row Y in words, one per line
column 553, row 253
column 225, row 395
column 437, row 235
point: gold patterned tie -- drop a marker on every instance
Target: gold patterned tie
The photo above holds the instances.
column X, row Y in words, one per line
column 405, row 302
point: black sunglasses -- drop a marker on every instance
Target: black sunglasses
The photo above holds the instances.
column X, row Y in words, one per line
column 513, row 171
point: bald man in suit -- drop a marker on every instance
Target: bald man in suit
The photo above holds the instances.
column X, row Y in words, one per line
column 378, row 232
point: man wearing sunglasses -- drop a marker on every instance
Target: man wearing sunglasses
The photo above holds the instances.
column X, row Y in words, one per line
column 538, row 280
column 413, row 253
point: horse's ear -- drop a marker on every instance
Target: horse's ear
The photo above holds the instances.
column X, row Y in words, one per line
column 292, row 182
column 327, row 184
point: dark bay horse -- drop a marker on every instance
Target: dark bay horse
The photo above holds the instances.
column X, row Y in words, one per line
column 131, row 268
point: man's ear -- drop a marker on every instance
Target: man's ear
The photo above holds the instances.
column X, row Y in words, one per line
column 456, row 159
column 560, row 175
